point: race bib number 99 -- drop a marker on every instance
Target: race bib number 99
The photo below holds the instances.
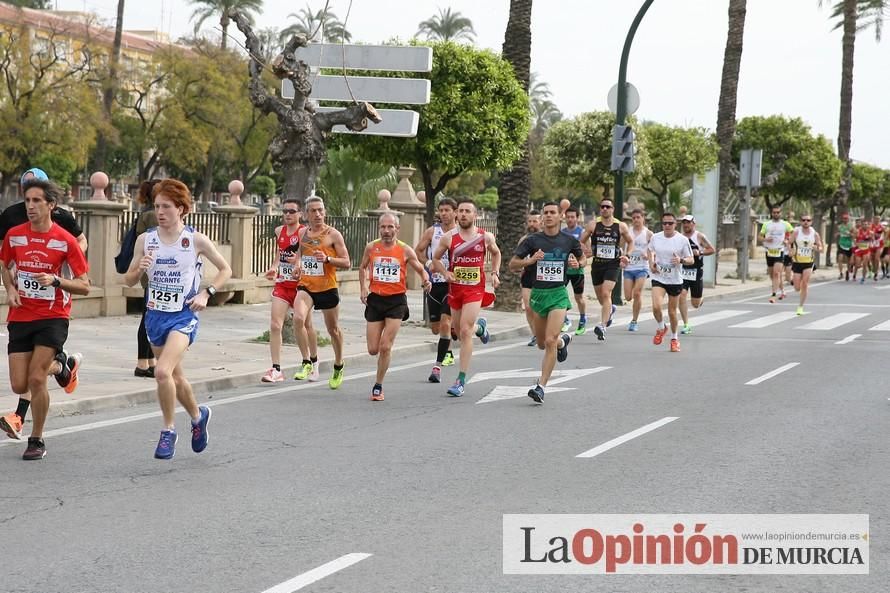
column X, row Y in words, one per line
column 550, row 271
column 32, row 289
column 311, row 266
column 467, row 276
column 386, row 269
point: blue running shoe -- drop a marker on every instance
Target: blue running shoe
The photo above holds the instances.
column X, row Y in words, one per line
column 456, row 390
column 563, row 353
column 600, row 332
column 633, row 326
column 483, row 325
column 537, row 394
column 166, row 445
column 611, row 315
column 199, row 430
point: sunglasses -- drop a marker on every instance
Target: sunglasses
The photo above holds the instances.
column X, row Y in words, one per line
column 806, row 220
column 289, row 211
column 668, row 222
column 605, row 207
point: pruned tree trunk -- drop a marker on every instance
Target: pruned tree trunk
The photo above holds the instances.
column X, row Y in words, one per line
column 845, row 119
column 110, row 84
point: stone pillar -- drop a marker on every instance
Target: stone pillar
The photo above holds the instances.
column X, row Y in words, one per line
column 98, row 181
column 240, row 237
column 103, row 232
column 412, row 222
column 236, row 188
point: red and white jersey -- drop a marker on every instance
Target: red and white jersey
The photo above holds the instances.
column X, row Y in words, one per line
column 41, row 253
column 288, row 245
column 468, row 259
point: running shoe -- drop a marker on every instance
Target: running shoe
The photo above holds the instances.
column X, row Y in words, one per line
column 582, row 328
column 314, row 375
column 166, row 445
column 147, row 373
column 456, row 390
column 200, row 436
column 633, row 326
column 336, row 379
column 304, row 371
column 799, row 311
column 448, row 360
column 600, row 332
column 686, row 329
column 563, row 353
column 537, row 394
column 533, row 341
column 659, row 336
column 12, row 426
column 36, row 449
column 611, row 315
column 377, row 394
column 675, row 345
column 483, row 325
column 67, row 377
column 435, row 375
column 847, row 276
column 772, row 299
column 566, row 325
column 782, row 295
column 273, row 375
column 862, row 280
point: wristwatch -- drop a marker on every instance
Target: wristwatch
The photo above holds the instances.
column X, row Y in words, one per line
column 327, row 259
column 211, row 290
column 57, row 282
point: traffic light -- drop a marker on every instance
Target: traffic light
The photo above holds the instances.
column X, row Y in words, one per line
column 623, row 149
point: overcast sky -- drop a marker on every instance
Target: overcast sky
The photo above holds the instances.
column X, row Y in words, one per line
column 790, row 65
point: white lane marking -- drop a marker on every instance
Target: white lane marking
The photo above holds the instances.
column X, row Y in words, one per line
column 833, row 305
column 881, row 327
column 763, row 298
column 718, row 316
column 246, row 396
column 833, row 321
column 849, row 339
column 762, row 322
column 882, row 287
column 316, row 574
column 624, row 438
column 772, row 374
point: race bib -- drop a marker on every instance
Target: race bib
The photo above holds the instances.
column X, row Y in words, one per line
column 690, row 274
column 805, row 252
column 774, row 252
column 550, row 271
column 285, row 272
column 467, row 276
column 311, row 266
column 386, row 269
column 605, row 252
column 167, row 298
column 634, row 259
column 665, row 269
column 32, row 289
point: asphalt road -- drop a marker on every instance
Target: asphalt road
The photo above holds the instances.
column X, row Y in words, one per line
column 304, row 488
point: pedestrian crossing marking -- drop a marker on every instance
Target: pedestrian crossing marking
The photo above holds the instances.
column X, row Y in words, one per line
column 761, row 322
column 717, row 316
column 881, row 327
column 833, row 321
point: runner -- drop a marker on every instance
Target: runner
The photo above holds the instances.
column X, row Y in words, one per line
column 64, row 364
column 527, row 278
column 437, row 298
column 876, row 246
column 607, row 236
column 774, row 235
column 171, row 258
column 885, row 252
column 322, row 250
column 39, row 307
column 466, row 247
column 862, row 252
column 549, row 253
column 285, row 293
column 693, row 283
column 637, row 269
column 385, row 299
column 576, row 275
column 667, row 251
column 805, row 244
column 844, row 238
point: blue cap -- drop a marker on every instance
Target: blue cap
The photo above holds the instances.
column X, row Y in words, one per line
column 37, row 173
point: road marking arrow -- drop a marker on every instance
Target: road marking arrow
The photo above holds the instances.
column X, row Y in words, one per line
column 502, row 392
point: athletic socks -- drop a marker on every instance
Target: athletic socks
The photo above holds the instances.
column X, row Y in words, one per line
column 462, row 377
column 662, row 324
column 308, row 361
column 312, row 359
column 442, row 349
column 583, row 319
column 674, row 336
column 22, row 409
column 277, row 367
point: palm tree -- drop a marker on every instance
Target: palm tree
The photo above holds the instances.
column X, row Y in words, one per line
column 447, row 26
column 515, row 186
column 208, row 8
column 322, row 26
column 729, row 86
column 544, row 112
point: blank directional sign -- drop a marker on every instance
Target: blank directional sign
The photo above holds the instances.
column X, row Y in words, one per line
column 367, row 57
column 408, row 91
column 400, row 123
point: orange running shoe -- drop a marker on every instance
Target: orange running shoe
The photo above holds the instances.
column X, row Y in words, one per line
column 659, row 336
column 377, row 393
column 675, row 345
column 12, row 426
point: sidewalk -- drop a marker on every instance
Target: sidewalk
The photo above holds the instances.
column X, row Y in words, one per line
column 225, row 354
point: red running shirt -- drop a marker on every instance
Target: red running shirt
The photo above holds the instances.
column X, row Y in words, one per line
column 288, row 245
column 467, row 260
column 35, row 253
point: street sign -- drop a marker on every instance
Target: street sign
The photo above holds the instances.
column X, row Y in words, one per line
column 399, row 123
column 633, row 99
column 750, row 162
column 409, row 91
column 392, row 58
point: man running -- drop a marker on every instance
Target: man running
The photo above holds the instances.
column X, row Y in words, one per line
column 170, row 255
column 876, row 246
column 693, row 281
column 862, row 252
column 466, row 247
column 667, row 251
column 384, row 261
column 575, row 275
column 527, row 278
column 607, row 237
column 285, row 275
column 322, row 251
column 39, row 306
column 774, row 236
column 549, row 253
column 637, row 269
column 844, row 237
column 805, row 244
column 437, row 297
column 885, row 252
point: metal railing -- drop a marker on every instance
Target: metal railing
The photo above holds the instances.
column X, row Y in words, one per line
column 213, row 224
